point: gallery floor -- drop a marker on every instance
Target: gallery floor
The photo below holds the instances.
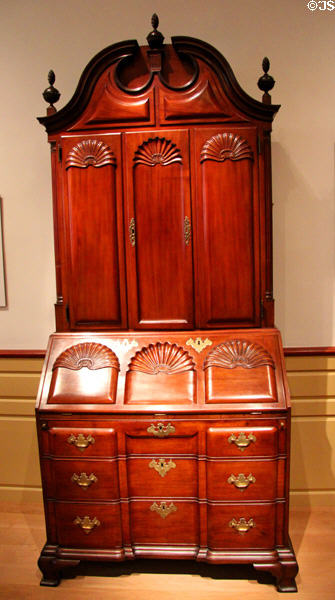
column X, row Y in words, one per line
column 22, row 535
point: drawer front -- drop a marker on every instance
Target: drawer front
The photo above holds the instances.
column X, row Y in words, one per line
column 164, row 522
column 81, row 480
column 242, row 480
column 241, row 526
column 161, row 477
column 155, row 437
column 79, row 442
column 242, row 440
column 88, row 525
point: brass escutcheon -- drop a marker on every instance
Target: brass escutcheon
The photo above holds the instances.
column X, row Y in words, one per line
column 87, row 524
column 163, row 510
column 161, row 430
column 242, row 526
column 242, row 441
column 80, row 441
column 132, row 231
column 198, row 344
column 241, row 481
column 187, row 230
column 84, row 481
column 161, row 466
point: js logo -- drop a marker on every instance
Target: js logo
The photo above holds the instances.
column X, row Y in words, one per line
column 321, row 5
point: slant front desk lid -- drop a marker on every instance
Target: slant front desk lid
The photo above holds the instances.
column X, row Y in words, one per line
column 198, row 371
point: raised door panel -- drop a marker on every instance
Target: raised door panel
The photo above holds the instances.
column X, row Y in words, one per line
column 227, row 208
column 94, row 225
column 158, row 227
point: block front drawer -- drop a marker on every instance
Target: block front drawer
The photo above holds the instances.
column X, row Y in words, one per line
column 88, row 525
column 242, row 480
column 241, row 526
column 78, row 440
column 81, row 480
column 164, row 522
column 242, row 440
column 161, row 476
column 169, row 437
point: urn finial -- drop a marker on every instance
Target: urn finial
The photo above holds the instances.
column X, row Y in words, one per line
column 51, row 94
column 266, row 81
column 155, row 38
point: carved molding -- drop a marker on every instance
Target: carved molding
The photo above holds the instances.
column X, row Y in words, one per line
column 238, row 353
column 90, row 153
column 162, row 358
column 225, row 146
column 157, row 151
column 88, row 354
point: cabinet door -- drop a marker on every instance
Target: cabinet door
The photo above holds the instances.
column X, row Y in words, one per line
column 227, row 206
column 158, row 228
column 94, row 248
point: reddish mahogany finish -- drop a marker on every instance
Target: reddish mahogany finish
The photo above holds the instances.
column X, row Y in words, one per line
column 191, row 222
column 164, row 477
column 163, row 411
column 93, row 220
column 157, row 197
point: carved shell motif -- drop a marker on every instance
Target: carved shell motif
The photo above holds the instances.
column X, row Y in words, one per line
column 157, row 151
column 225, row 146
column 90, row 152
column 238, row 353
column 88, row 354
column 162, row 358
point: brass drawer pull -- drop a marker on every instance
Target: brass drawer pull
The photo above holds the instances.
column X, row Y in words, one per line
column 161, row 466
column 241, row 482
column 242, row 526
column 161, row 430
column 163, row 510
column 84, row 481
column 87, row 524
column 80, row 441
column 242, row 441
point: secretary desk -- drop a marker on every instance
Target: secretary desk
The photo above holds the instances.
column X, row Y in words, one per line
column 163, row 412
